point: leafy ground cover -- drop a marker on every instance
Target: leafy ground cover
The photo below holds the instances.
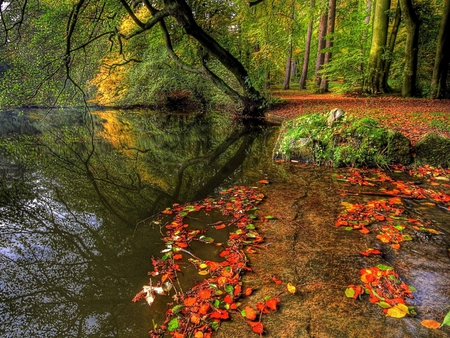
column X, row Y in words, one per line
column 412, row 117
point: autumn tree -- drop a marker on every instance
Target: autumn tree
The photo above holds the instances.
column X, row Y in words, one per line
column 302, row 83
column 86, row 23
column 328, row 43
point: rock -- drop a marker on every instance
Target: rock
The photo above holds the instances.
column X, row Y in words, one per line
column 399, row 148
column 335, row 115
column 302, row 150
column 434, row 150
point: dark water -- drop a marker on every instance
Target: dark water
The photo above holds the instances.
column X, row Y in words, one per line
column 75, row 193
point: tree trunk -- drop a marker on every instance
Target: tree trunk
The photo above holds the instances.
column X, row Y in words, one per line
column 250, row 100
column 302, row 83
column 411, row 48
column 391, row 45
column 287, row 72
column 321, row 45
column 442, row 59
column 374, row 81
column 329, row 42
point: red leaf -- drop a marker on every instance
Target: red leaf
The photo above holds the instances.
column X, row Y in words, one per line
column 220, row 314
column 250, row 313
column 271, row 303
column 257, row 327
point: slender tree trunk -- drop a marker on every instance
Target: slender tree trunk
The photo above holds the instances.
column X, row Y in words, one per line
column 302, row 83
column 379, row 37
column 411, row 48
column 442, row 59
column 321, row 45
column 287, row 73
column 391, row 45
column 329, row 42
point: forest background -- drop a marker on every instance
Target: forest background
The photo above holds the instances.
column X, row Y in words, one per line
column 111, row 53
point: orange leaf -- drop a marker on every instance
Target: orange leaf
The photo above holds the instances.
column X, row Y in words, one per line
column 272, row 303
column 177, row 256
column 204, row 309
column 276, row 280
column 205, row 294
column 250, row 313
column 257, row 327
column 195, row 318
column 228, row 299
column 248, row 291
column 190, row 301
column 220, row 314
column 431, row 324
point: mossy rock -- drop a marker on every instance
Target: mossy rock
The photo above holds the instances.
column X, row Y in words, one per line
column 399, row 148
column 434, row 150
column 349, row 142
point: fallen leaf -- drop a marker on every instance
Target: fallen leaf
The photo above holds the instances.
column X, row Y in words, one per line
column 431, row 324
column 257, row 327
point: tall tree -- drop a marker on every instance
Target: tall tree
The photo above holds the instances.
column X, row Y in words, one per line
column 287, row 73
column 329, row 42
column 442, row 59
column 374, row 82
column 321, row 43
column 411, row 49
column 390, row 47
column 302, row 82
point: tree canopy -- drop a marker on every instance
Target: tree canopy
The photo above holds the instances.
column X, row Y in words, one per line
column 130, row 52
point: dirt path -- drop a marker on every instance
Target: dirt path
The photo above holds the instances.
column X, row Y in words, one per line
column 412, row 117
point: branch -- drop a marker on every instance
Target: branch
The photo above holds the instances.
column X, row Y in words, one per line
column 254, row 3
column 131, row 14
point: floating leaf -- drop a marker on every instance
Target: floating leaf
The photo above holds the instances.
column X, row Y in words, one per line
column 257, row 327
column 350, row 292
column 396, row 312
column 431, row 324
column 446, row 320
column 291, row 288
column 250, row 314
column 173, row 324
column 384, row 267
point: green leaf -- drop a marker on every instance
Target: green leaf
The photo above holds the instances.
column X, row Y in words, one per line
column 446, row 320
column 348, row 228
column 384, row 305
column 229, row 288
column 177, row 308
column 269, row 217
column 384, row 267
column 412, row 288
column 173, row 324
column 350, row 292
column 250, row 226
column 214, row 325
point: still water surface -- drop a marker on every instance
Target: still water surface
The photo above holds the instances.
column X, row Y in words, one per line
column 76, row 195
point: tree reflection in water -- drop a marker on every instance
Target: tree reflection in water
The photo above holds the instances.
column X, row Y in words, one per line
column 71, row 256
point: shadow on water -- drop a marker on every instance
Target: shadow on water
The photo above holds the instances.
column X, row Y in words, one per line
column 72, row 192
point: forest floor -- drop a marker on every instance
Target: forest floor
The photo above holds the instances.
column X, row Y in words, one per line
column 413, row 117
column 304, row 247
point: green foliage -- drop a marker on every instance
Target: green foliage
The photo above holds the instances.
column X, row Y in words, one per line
column 351, row 142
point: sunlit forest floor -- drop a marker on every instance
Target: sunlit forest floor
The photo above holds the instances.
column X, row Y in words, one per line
column 413, row 117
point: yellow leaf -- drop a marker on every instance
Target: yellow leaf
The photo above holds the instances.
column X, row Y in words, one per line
column 203, row 266
column 431, row 324
column 291, row 288
column 396, row 312
column 203, row 272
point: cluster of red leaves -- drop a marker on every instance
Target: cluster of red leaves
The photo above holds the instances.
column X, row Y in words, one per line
column 385, row 289
column 382, row 283
column 199, row 311
column 254, row 317
column 389, row 211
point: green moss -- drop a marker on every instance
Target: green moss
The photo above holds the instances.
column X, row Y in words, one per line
column 350, row 142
